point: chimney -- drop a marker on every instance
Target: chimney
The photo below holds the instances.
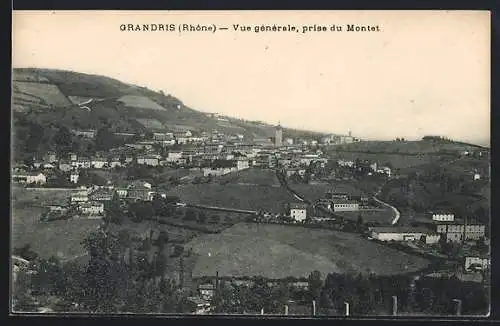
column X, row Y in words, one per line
column 286, row 310
column 394, row 305
column 346, row 305
column 262, row 311
column 314, row 307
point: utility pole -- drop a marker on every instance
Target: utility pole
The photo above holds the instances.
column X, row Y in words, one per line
column 458, row 307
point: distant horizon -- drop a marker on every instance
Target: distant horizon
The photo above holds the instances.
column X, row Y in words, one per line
column 425, row 73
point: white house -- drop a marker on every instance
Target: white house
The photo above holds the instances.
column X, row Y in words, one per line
column 173, row 156
column 477, row 176
column 242, row 164
column 477, row 263
column 345, row 205
column 148, row 160
column 443, row 217
column 91, row 208
column 298, row 211
column 345, row 163
column 207, row 291
column 98, row 163
column 30, row 178
column 73, row 177
column 397, row 233
column 78, row 197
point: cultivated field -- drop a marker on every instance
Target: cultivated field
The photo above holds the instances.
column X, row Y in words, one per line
column 278, row 251
column 398, row 161
column 266, row 198
column 49, row 93
column 141, row 102
column 151, row 124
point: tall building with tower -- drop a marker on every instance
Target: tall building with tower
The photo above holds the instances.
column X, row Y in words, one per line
column 278, row 136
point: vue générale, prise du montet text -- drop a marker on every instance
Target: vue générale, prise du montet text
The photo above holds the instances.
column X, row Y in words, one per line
column 256, row 28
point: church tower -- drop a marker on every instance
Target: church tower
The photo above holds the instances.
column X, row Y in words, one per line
column 278, row 137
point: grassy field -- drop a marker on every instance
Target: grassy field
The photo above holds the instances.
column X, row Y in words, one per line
column 59, row 238
column 56, row 238
column 234, row 196
column 314, row 191
column 22, row 197
column 383, row 216
column 252, row 177
column 278, row 251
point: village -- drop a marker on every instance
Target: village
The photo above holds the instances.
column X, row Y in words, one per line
column 206, row 157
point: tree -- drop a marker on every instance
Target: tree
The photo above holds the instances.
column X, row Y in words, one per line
column 63, row 140
column 104, row 139
column 360, row 223
column 190, row 215
column 113, row 210
column 202, row 217
column 315, row 284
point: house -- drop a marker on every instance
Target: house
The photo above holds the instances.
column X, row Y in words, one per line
column 300, row 285
column 115, row 162
column 65, row 166
column 477, row 176
column 198, row 305
column 148, row 160
column 79, row 197
column 50, row 157
column 73, row 177
column 477, row 263
column 432, row 238
column 82, row 163
column 91, row 208
column 49, row 166
column 242, row 164
column 385, row 170
column 295, row 171
column 139, row 184
column 397, row 233
column 442, row 217
column 72, row 157
column 101, row 195
column 337, row 195
column 206, row 290
column 160, row 136
column 98, row 163
column 460, row 232
column 173, row 156
column 345, row 163
column 341, row 205
column 298, row 211
column 143, row 194
column 30, row 178
column 121, row 192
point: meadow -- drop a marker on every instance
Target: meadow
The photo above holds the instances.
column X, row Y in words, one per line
column 278, row 251
column 265, row 198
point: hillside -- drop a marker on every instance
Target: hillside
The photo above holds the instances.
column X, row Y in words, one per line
column 408, row 147
column 79, row 101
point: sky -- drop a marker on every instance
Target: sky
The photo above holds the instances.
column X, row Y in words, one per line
column 423, row 72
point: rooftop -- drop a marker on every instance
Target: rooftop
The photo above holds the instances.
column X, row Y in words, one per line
column 399, row 229
column 298, row 206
